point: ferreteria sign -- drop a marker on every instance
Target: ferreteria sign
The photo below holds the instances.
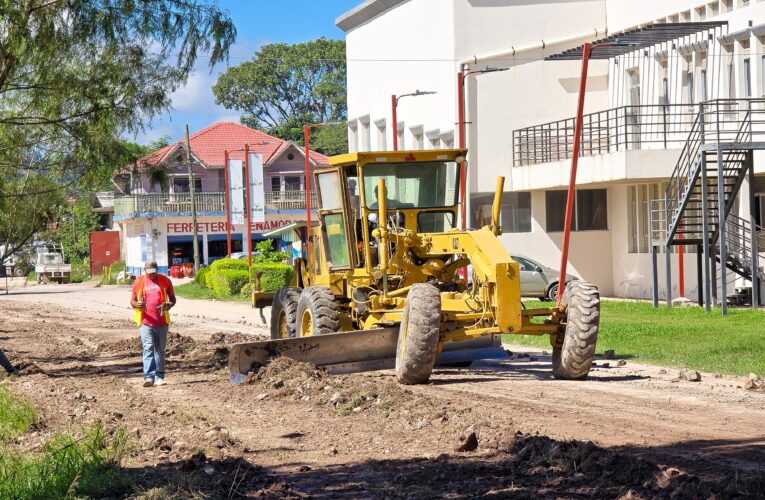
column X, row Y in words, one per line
column 220, row 227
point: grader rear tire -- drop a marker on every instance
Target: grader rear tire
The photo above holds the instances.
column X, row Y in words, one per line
column 317, row 312
column 284, row 313
column 574, row 359
column 418, row 335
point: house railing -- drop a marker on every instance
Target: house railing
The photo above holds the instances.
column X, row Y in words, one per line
column 180, row 203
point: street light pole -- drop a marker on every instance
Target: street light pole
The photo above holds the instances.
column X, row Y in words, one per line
column 394, row 104
column 461, row 76
column 586, row 51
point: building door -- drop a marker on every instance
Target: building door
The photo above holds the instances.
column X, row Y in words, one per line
column 633, row 110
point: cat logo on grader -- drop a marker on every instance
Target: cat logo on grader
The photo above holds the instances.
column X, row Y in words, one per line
column 379, row 286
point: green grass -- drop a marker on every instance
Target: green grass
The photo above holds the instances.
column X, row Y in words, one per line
column 192, row 290
column 682, row 337
column 16, row 416
column 66, row 467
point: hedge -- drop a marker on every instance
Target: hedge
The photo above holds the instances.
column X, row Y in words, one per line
column 227, row 282
column 200, row 278
column 221, row 264
column 274, row 277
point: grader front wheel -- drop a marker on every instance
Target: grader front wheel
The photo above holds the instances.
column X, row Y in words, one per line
column 574, row 359
column 284, row 313
column 317, row 312
column 418, row 335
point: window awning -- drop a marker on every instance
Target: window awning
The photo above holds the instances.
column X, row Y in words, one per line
column 289, row 227
column 637, row 38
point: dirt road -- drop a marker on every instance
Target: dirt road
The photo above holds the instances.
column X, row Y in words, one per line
column 298, row 431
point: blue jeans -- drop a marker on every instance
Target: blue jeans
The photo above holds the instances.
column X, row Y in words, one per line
column 154, row 341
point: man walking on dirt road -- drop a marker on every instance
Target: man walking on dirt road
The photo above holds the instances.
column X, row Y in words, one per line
column 152, row 298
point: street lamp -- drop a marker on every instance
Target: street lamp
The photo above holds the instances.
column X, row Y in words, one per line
column 461, row 75
column 306, row 138
column 394, row 104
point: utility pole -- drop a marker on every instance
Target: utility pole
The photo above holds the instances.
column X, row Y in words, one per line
column 193, row 202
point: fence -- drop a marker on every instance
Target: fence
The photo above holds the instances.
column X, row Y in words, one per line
column 206, row 202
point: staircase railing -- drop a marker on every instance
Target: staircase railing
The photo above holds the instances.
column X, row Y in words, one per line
column 739, row 242
column 717, row 121
column 683, row 172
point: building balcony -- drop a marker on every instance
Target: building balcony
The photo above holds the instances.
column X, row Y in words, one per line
column 626, row 128
column 179, row 204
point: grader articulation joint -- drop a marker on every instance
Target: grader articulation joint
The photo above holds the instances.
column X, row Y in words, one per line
column 379, row 284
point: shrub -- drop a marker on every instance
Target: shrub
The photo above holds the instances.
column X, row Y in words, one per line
column 274, row 277
column 200, row 278
column 227, row 282
column 229, row 264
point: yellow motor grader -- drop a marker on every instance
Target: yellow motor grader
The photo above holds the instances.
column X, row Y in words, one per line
column 379, row 285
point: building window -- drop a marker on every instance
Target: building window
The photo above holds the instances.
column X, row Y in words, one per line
column 665, row 97
column 514, row 215
column 590, row 210
column 704, row 85
column 689, row 86
column 276, row 183
column 181, row 185
column 759, row 209
column 747, row 78
column 381, row 127
column 292, row 183
column 639, row 197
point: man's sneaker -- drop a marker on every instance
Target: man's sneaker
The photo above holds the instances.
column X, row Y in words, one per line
column 148, row 382
column 159, row 381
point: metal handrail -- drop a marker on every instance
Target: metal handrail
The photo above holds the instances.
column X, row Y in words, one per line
column 167, row 203
column 717, row 121
column 624, row 128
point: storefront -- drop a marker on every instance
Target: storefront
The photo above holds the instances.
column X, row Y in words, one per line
column 169, row 240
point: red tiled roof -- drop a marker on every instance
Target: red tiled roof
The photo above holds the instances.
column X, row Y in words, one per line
column 208, row 145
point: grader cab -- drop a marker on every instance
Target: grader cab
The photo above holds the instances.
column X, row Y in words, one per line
column 379, row 285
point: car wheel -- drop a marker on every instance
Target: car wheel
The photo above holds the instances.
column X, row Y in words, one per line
column 552, row 292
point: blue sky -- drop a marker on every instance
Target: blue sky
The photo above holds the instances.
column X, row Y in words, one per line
column 258, row 22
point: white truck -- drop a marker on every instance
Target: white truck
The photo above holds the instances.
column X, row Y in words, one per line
column 49, row 264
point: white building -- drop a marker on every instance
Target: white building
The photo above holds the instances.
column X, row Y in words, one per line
column 642, row 102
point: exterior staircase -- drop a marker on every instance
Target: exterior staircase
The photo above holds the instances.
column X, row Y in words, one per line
column 702, row 193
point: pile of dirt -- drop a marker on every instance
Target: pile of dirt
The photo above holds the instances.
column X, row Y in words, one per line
column 203, row 477
column 28, row 368
column 581, row 466
column 228, row 338
column 176, row 344
column 344, row 394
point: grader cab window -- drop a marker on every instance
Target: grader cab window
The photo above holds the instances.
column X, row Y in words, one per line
column 413, row 185
column 332, row 215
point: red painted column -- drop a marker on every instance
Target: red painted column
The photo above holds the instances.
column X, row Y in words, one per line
column 306, row 136
column 393, row 105
column 228, row 203
column 572, row 179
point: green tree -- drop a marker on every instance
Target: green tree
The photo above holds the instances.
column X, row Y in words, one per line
column 75, row 76
column 287, row 86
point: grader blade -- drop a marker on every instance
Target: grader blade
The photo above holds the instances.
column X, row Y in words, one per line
column 350, row 352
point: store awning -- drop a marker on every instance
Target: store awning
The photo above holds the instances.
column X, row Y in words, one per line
column 637, row 38
column 289, row 227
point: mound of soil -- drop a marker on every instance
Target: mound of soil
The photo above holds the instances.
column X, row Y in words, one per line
column 28, row 368
column 176, row 344
column 228, row 338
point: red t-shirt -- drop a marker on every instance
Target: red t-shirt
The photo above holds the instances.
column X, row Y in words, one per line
column 151, row 296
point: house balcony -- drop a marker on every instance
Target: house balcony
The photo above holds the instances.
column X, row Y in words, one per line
column 179, row 204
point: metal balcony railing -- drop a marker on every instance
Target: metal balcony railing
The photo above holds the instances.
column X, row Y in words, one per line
column 288, row 200
column 169, row 203
column 626, row 128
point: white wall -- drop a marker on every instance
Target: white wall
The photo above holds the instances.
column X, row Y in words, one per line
column 410, row 47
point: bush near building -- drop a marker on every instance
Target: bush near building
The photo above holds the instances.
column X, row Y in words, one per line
column 228, row 278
